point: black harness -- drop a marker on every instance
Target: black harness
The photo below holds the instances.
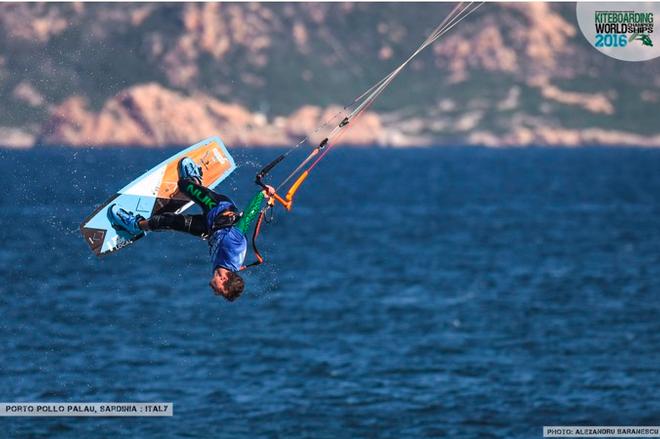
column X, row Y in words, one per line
column 225, row 219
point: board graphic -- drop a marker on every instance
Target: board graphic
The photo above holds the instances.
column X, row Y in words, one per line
column 156, row 192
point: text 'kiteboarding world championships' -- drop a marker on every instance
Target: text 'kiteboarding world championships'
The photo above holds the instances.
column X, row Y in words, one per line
column 86, row 409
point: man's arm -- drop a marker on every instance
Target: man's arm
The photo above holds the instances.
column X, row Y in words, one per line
column 251, row 213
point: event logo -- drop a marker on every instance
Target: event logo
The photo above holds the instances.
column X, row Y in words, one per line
column 618, row 24
column 620, row 30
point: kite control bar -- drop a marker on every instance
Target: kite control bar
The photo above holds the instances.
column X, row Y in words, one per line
column 287, row 201
column 266, row 169
column 259, row 180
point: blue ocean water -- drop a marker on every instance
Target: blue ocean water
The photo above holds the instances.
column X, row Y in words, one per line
column 456, row 292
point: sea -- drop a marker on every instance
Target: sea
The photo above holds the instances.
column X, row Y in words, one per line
column 451, row 292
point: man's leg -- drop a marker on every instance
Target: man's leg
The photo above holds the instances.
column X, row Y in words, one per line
column 193, row 224
column 202, row 196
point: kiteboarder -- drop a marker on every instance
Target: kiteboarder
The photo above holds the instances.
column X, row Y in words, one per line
column 220, row 222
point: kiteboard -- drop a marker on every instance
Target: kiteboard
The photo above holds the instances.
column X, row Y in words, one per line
column 156, row 192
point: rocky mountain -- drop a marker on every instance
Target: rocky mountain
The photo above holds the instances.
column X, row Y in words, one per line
column 266, row 74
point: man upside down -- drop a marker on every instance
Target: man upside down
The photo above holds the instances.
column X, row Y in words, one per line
column 220, row 222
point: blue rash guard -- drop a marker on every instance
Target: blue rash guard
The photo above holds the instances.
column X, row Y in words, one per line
column 228, row 245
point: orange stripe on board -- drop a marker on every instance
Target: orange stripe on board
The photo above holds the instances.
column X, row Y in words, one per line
column 209, row 156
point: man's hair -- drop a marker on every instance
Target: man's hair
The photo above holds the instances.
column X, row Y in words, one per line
column 234, row 285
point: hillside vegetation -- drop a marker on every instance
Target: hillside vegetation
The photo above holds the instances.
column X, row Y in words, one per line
column 263, row 73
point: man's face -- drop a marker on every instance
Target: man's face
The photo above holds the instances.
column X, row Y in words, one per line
column 218, row 282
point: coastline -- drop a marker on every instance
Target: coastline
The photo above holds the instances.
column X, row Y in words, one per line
column 152, row 116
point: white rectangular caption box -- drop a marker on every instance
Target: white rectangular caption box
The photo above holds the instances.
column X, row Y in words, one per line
column 86, row 409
